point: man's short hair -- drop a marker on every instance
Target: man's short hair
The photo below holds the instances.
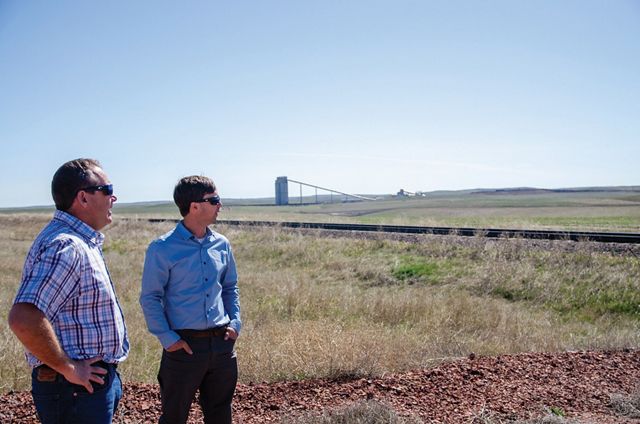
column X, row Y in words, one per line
column 70, row 178
column 191, row 189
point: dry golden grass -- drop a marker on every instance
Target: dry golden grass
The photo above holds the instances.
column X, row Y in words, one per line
column 316, row 306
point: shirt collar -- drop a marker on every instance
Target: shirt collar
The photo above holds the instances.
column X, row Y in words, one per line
column 80, row 227
column 185, row 234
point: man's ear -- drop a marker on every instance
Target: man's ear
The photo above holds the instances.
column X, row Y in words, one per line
column 79, row 202
column 81, row 199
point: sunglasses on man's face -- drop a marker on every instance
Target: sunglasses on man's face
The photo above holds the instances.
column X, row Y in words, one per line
column 106, row 189
column 213, row 200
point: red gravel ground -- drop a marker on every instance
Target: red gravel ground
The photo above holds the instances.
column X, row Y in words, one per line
column 511, row 386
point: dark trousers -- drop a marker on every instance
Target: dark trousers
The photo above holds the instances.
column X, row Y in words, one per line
column 59, row 402
column 212, row 369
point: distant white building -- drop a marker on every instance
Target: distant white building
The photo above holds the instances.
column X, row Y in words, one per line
column 405, row 193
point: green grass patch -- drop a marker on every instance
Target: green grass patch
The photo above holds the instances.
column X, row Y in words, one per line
column 416, row 270
column 591, row 302
column 429, row 269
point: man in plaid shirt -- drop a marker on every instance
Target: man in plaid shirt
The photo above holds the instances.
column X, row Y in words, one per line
column 66, row 312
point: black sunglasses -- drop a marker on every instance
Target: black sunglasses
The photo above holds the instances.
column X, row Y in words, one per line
column 106, row 189
column 213, row 200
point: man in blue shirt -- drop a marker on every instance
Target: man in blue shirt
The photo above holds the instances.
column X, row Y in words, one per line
column 190, row 302
column 66, row 312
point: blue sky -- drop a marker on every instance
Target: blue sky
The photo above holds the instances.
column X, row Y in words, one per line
column 360, row 96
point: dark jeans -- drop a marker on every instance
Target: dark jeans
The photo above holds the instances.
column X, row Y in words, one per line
column 212, row 369
column 57, row 401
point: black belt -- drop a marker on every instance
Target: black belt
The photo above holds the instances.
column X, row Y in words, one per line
column 209, row 332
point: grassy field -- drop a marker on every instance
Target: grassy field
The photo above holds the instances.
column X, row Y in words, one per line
column 316, row 306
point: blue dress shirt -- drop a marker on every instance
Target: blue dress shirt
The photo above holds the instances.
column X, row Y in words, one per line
column 189, row 284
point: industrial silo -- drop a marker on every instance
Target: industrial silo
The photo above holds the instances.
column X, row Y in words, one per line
column 282, row 191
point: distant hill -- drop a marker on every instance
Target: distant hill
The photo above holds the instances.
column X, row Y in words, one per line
column 169, row 206
column 534, row 190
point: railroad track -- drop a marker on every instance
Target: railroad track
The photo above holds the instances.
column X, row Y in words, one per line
column 632, row 238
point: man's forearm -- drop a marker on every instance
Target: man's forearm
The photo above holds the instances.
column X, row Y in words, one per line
column 36, row 333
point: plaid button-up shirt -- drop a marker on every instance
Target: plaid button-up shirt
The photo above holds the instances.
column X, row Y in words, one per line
column 65, row 276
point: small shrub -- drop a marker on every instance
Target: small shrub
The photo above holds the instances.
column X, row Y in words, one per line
column 548, row 419
column 365, row 412
column 627, row 405
column 558, row 412
column 553, row 415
